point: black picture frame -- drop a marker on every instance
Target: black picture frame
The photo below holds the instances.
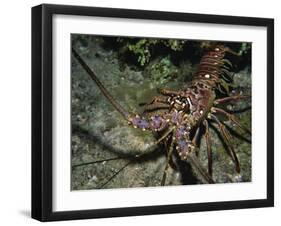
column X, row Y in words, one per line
column 42, row 106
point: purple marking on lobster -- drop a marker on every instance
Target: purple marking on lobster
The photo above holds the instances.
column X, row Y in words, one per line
column 182, row 145
column 157, row 122
column 140, row 123
column 175, row 117
column 180, row 132
column 183, row 148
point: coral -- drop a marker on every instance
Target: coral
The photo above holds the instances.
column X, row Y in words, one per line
column 145, row 49
column 245, row 48
column 141, row 49
column 164, row 70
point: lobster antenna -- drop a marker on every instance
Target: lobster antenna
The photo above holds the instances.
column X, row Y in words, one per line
column 104, row 91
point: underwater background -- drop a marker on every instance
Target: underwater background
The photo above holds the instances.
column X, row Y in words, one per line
column 104, row 146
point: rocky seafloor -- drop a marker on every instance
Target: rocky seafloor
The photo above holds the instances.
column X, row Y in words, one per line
column 104, row 146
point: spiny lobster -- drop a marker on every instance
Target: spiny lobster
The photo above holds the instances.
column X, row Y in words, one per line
column 177, row 116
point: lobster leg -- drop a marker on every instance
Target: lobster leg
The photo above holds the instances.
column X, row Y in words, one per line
column 195, row 140
column 169, row 155
column 161, row 99
column 227, row 139
column 155, row 106
column 231, row 118
column 206, row 178
column 168, row 92
column 209, row 145
column 225, row 61
column 156, row 99
column 157, row 142
column 226, row 99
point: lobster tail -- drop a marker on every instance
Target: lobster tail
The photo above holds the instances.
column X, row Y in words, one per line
column 213, row 71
